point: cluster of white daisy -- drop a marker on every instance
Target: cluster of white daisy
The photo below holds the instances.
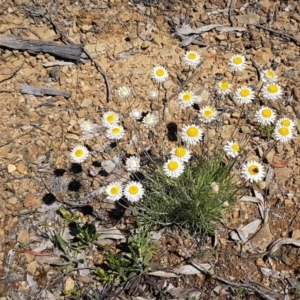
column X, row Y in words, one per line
column 133, row 191
column 174, row 167
column 192, row 134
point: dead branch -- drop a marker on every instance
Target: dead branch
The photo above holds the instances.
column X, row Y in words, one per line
column 42, row 90
column 13, row 73
column 279, row 33
column 98, row 67
column 68, row 52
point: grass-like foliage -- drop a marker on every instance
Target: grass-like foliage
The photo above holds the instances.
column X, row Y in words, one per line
column 195, row 200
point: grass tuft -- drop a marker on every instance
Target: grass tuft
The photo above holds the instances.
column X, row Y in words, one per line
column 195, row 200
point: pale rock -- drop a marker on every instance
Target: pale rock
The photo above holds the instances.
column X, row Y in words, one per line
column 250, row 18
column 69, row 284
column 23, row 237
column 263, row 238
column 32, row 267
column 288, row 202
column 296, row 234
column 12, row 201
column 263, row 56
column 32, row 201
column 283, row 173
column 86, row 102
column 11, row 168
column 21, row 168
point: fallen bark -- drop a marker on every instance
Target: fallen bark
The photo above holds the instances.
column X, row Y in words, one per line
column 41, row 91
column 68, row 52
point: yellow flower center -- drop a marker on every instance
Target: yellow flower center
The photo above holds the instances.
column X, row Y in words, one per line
column 284, row 131
column 114, row 190
column 208, row 113
column 79, row 153
column 224, row 85
column 286, row 123
column 192, row 56
column 133, row 190
column 192, row 132
column 187, row 97
column 124, row 90
column 86, row 126
column 173, row 166
column 160, row 72
column 270, row 74
column 273, row 88
column 235, row 147
column 245, row 93
column 116, row 130
column 253, row 170
column 266, row 113
column 110, row 118
column 237, row 60
column 180, row 152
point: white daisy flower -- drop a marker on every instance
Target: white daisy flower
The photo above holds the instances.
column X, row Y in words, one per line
column 181, row 153
column 110, row 118
column 124, row 91
column 136, row 114
column 283, row 134
column 244, row 95
column 192, row 58
column 285, row 122
column 115, row 132
column 207, row 114
column 232, row 149
column 87, row 127
column 153, row 94
column 134, row 191
column 192, row 134
column 265, row 115
column 237, row 62
column 253, row 171
column 272, row 91
column 186, row 99
column 173, row 167
column 159, row 74
column 79, row 154
column 150, row 120
column 223, row 87
column 114, row 191
column 268, row 76
column 132, row 164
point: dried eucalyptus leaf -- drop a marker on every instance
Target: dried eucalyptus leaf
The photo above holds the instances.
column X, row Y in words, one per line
column 284, row 241
column 188, row 30
column 243, row 234
column 163, row 274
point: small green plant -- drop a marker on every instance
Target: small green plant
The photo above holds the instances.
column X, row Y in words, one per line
column 123, row 265
column 193, row 201
column 74, row 294
column 67, row 216
column 86, row 235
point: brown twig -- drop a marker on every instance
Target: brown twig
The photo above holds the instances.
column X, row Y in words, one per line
column 13, row 73
column 61, row 276
column 279, row 33
column 98, row 67
column 232, row 3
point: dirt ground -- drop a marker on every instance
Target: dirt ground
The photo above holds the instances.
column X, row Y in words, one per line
column 127, row 39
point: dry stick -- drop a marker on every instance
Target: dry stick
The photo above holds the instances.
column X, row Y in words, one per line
column 232, row 3
column 284, row 35
column 233, row 284
column 98, row 67
column 11, row 140
column 60, row 276
column 13, row 73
